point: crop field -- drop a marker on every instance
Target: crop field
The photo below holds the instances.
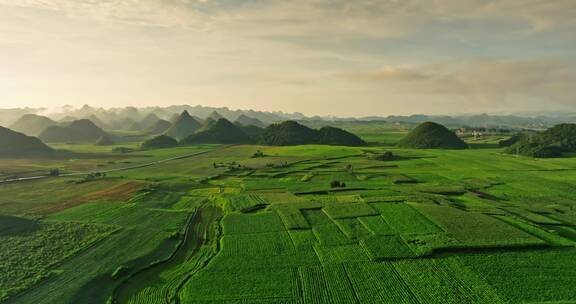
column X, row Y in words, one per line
column 213, row 224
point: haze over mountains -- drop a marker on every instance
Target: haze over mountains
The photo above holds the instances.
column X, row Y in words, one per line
column 131, row 118
column 164, row 128
column 82, row 130
column 32, row 124
column 184, row 126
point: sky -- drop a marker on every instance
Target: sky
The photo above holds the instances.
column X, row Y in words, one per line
column 318, row 57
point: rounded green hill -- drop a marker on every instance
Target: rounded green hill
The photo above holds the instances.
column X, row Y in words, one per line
column 220, row 132
column 339, row 137
column 159, row 142
column 82, row 130
column 430, row 135
column 291, row 133
column 288, row 133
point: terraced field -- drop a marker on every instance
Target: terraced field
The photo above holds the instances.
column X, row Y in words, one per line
column 435, row 226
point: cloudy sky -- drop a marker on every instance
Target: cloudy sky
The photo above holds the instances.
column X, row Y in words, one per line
column 327, row 57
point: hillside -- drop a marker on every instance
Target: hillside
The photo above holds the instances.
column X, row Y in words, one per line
column 125, row 124
column 16, row 144
column 67, row 119
column 220, row 132
column 97, row 121
column 430, row 135
column 159, row 127
column 207, row 123
column 510, row 141
column 184, row 126
column 291, row 133
column 146, row 123
column 249, row 121
column 104, row 140
column 159, row 142
column 215, row 116
column 253, row 131
column 550, row 143
column 288, row 133
column 82, row 130
column 32, row 124
column 339, row 137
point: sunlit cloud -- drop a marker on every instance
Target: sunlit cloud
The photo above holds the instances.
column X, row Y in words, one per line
column 301, row 55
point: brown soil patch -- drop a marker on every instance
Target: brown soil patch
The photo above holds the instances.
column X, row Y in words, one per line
column 120, row 192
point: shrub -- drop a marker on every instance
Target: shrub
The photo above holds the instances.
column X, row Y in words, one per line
column 337, row 184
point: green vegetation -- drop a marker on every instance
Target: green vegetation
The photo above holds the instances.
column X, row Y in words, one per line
column 147, row 123
column 430, row 135
column 338, row 137
column 184, row 126
column 18, row 144
column 253, row 131
column 104, row 140
column 32, row 124
column 244, row 120
column 509, row 141
column 82, row 130
column 159, row 142
column 445, row 281
column 12, row 225
column 220, row 132
column 209, row 223
column 550, row 143
column 26, row 257
column 528, row 277
column 291, row 133
column 288, row 133
column 386, row 247
column 159, row 127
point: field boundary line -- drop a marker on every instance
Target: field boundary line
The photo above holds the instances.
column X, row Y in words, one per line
column 187, row 230
column 23, row 179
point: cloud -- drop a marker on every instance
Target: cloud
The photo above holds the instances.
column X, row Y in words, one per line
column 258, row 52
column 319, row 15
column 486, row 80
column 161, row 13
column 387, row 74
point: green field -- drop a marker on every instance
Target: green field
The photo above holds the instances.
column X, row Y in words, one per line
column 172, row 226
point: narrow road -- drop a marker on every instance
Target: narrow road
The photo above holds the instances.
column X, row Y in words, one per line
column 29, row 178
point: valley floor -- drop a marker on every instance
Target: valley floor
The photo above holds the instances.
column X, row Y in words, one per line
column 433, row 226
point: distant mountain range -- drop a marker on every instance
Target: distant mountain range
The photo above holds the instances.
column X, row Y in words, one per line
column 32, row 124
column 78, row 131
column 130, row 118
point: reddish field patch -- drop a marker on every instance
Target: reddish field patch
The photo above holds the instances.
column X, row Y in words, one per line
column 118, row 192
